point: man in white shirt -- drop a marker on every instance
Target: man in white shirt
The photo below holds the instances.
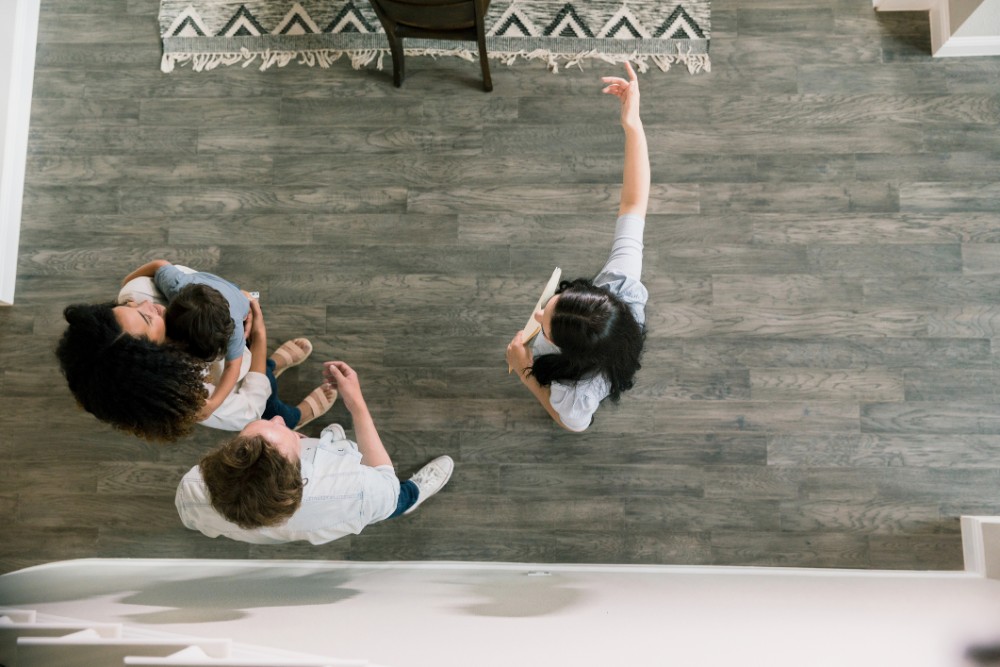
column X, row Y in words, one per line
column 271, row 485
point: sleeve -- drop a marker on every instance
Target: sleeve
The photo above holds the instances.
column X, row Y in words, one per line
column 237, row 343
column 243, row 405
column 576, row 406
column 626, row 249
column 169, row 280
column 622, row 271
column 192, row 500
column 141, row 289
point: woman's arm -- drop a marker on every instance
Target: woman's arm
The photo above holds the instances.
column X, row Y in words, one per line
column 635, row 181
column 520, row 359
column 147, row 270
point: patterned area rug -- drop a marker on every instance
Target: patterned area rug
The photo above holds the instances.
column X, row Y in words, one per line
column 209, row 33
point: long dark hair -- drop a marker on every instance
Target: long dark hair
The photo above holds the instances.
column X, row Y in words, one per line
column 595, row 332
column 149, row 390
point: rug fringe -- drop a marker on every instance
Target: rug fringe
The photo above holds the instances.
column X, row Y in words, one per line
column 203, row 62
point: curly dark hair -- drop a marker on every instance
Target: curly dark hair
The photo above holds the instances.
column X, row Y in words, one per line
column 151, row 391
column 251, row 483
column 198, row 321
column 595, row 332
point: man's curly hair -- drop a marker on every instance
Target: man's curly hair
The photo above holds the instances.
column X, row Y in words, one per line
column 151, row 391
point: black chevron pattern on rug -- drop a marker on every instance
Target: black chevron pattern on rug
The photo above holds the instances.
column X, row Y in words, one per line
column 679, row 25
column 296, row 21
column 568, row 23
column 513, row 25
column 349, row 19
column 624, row 23
column 242, row 24
column 188, row 22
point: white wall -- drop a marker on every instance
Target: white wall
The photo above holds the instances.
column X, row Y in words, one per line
column 18, row 33
column 493, row 615
column 959, row 11
column 975, row 18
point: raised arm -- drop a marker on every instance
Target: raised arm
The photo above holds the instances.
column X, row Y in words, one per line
column 147, row 270
column 635, row 181
column 345, row 381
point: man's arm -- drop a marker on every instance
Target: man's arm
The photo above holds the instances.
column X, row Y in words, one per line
column 257, row 340
column 147, row 270
column 343, row 378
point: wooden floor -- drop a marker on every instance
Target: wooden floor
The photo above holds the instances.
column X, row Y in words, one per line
column 822, row 257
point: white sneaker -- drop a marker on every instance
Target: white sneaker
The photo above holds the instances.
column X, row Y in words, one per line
column 333, row 433
column 431, row 478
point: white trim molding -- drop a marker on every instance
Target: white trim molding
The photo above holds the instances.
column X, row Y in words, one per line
column 944, row 43
column 21, row 36
column 969, row 46
column 981, row 545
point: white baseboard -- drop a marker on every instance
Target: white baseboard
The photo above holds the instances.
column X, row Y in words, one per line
column 21, row 36
column 969, row 46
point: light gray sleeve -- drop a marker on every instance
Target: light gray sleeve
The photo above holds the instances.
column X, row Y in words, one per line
column 626, row 249
column 577, row 403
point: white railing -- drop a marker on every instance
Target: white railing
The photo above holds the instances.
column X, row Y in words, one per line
column 26, row 640
column 18, row 35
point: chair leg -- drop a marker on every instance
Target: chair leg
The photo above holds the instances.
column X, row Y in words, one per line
column 484, row 60
column 396, row 47
column 484, row 63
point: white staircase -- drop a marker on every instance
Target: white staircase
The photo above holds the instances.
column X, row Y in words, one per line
column 958, row 27
column 28, row 639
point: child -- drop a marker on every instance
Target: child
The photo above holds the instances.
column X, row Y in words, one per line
column 592, row 331
column 198, row 320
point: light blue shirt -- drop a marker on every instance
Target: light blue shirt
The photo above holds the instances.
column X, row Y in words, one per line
column 341, row 496
column 576, row 403
column 170, row 280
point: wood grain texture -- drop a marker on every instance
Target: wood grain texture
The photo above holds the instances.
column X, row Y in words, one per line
column 819, row 385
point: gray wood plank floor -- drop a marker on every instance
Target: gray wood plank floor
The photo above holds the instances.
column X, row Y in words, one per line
column 823, row 259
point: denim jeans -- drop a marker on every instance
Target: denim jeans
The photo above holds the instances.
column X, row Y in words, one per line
column 408, row 493
column 274, row 407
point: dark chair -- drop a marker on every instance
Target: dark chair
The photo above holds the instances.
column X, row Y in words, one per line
column 433, row 19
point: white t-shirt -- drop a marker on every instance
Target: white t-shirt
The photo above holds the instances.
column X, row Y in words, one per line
column 341, row 496
column 577, row 402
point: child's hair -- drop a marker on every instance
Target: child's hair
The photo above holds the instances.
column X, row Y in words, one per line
column 199, row 322
column 595, row 332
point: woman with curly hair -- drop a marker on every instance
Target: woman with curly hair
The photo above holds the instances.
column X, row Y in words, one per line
column 592, row 331
column 123, row 367
column 133, row 383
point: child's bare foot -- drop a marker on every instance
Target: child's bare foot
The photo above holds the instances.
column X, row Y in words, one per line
column 291, row 353
column 318, row 402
